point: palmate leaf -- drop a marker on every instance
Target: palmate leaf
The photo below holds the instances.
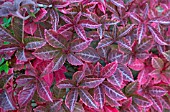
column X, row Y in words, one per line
column 87, row 98
column 71, row 99
column 112, row 92
column 26, row 94
column 157, row 36
column 89, row 55
column 99, row 96
column 6, row 102
column 91, row 82
column 109, row 69
column 44, row 91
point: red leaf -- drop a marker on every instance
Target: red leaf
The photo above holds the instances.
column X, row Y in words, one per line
column 48, row 78
column 58, row 62
column 25, row 95
column 91, row 82
column 30, row 28
column 64, row 28
column 41, row 13
column 156, row 104
column 87, row 98
column 118, row 3
column 77, row 18
column 109, row 69
column 71, row 99
column 99, row 96
column 137, row 65
column 108, row 108
column 44, row 91
column 157, row 36
column 135, row 17
column 161, row 20
column 112, row 92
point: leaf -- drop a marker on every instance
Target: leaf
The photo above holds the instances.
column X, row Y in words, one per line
column 157, row 63
column 97, row 69
column 127, row 74
column 89, row 24
column 157, row 91
column 8, row 48
column 165, row 101
column 116, row 79
column 109, row 69
column 112, row 92
column 89, row 55
column 44, row 91
column 115, row 55
column 46, row 52
column 145, row 45
column 54, row 19
column 87, row 98
column 78, row 76
column 132, row 88
column 91, row 82
column 136, row 65
column 77, row 17
column 126, row 31
column 58, row 62
column 6, row 36
column 156, row 104
column 161, row 20
column 99, row 96
column 78, row 45
column 33, row 43
column 166, row 54
column 118, row 3
column 20, row 55
column 104, row 42
column 65, row 84
column 56, row 105
column 19, row 30
column 157, row 36
column 30, row 28
column 6, row 102
column 140, row 32
column 71, row 99
column 78, row 107
column 142, row 55
column 40, row 14
column 66, row 19
column 135, row 17
column 65, row 28
column 54, row 39
column 104, row 52
column 80, row 32
column 26, row 94
column 72, row 59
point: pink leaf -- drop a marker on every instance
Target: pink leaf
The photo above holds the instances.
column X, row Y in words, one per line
column 132, row 87
column 80, row 32
column 87, row 98
column 91, row 82
column 77, row 18
column 89, row 55
column 58, row 62
column 41, row 13
column 97, row 69
column 137, row 65
column 25, row 95
column 65, row 84
column 145, row 45
column 89, row 24
column 44, row 91
column 112, row 92
column 78, row 45
column 105, row 42
column 48, row 78
column 118, row 3
column 157, row 36
column 116, row 79
column 109, row 69
column 54, row 39
column 99, row 96
column 64, row 28
column 140, row 32
column 157, row 91
column 71, row 99
column 72, row 59
column 115, row 55
column 157, row 63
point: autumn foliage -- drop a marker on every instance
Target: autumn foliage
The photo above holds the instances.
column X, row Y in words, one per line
column 85, row 56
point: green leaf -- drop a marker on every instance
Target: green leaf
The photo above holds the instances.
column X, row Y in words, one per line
column 2, row 61
column 6, row 22
column 4, row 67
column 6, row 43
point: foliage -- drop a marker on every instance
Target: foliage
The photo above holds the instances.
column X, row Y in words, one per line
column 85, row 55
